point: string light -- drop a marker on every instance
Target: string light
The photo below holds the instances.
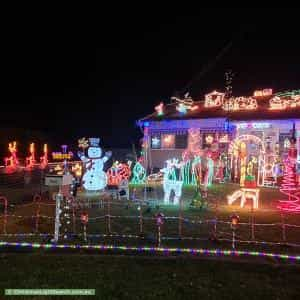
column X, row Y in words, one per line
column 163, row 250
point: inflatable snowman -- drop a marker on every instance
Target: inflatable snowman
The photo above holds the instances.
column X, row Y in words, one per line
column 94, row 178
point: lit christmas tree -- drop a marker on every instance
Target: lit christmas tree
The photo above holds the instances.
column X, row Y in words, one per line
column 289, row 184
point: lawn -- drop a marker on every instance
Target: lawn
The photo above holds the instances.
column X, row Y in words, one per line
column 148, row 277
column 196, row 223
column 138, row 277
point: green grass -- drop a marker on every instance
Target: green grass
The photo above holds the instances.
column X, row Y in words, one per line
column 267, row 214
column 134, row 277
column 148, row 277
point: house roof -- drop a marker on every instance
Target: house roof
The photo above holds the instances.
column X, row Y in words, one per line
column 262, row 111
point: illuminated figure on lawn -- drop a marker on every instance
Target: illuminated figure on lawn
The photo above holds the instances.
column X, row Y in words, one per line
column 209, row 172
column 289, row 186
column 138, row 173
column 172, row 180
column 94, row 178
column 12, row 162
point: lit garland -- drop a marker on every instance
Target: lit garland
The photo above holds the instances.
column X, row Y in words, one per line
column 163, row 250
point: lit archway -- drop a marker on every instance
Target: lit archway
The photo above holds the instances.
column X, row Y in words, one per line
column 238, row 154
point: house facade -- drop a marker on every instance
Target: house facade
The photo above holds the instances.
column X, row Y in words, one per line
column 257, row 129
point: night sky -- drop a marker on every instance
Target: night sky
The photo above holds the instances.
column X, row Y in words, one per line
column 69, row 75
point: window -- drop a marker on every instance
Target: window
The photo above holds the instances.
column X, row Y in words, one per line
column 168, row 141
column 155, row 142
column 181, row 141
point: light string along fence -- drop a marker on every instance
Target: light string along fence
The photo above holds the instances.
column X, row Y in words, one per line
column 108, row 219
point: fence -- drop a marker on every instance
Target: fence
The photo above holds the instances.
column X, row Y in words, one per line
column 136, row 222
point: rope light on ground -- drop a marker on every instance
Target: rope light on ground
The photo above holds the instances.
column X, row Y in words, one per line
column 156, row 250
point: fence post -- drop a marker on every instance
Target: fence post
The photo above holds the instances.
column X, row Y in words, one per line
column 180, row 218
column 215, row 221
column 73, row 213
column 283, row 227
column 141, row 218
column 108, row 216
column 252, row 223
column 4, row 199
column 37, row 199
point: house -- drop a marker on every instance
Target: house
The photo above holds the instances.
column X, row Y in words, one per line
column 241, row 132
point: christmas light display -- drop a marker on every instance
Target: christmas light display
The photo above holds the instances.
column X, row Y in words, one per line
column 168, row 141
column 160, row 109
column 172, row 180
column 161, row 250
column 209, row 174
column 285, row 101
column 263, row 93
column 94, row 178
column 12, row 162
column 30, row 160
column 194, row 141
column 77, row 170
column 289, row 186
column 185, row 104
column 62, row 156
column 155, row 142
column 253, row 125
column 65, row 217
column 214, row 99
column 240, row 103
column 238, row 152
column 83, row 143
column 244, row 194
column 117, row 173
column 44, row 158
column 138, row 174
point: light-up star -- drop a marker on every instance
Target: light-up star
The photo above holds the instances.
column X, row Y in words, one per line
column 155, row 141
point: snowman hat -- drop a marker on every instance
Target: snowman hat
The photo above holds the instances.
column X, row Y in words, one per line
column 94, row 142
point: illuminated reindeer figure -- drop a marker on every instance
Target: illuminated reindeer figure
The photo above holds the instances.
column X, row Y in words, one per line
column 12, row 161
column 172, row 181
column 44, row 158
column 30, row 160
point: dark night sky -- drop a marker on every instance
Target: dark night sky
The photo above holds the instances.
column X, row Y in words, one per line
column 78, row 75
